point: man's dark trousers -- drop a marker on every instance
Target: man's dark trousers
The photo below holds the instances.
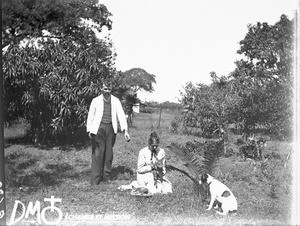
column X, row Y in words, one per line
column 102, row 153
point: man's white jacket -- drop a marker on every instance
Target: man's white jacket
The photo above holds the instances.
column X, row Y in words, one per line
column 96, row 113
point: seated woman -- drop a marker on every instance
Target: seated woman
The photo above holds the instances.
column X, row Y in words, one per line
column 151, row 169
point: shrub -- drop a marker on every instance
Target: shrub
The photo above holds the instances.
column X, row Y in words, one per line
column 174, row 126
column 148, row 110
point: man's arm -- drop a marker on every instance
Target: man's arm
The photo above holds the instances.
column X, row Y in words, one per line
column 121, row 116
column 122, row 119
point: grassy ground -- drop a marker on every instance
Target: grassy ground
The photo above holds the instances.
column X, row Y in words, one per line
column 262, row 189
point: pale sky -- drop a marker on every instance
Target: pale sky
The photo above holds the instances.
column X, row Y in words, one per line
column 184, row 40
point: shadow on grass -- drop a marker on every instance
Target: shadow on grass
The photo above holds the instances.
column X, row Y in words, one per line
column 121, row 173
column 18, row 134
column 64, row 146
column 25, row 170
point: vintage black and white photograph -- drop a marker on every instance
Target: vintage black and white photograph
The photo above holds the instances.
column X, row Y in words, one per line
column 149, row 112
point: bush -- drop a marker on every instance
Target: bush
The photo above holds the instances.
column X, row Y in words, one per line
column 148, row 110
column 174, row 126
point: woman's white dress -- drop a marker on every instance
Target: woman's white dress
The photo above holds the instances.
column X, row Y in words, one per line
column 145, row 176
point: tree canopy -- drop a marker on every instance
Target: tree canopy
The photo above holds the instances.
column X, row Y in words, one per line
column 51, row 83
column 54, row 63
column 260, row 89
column 207, row 107
column 139, row 79
column 266, row 77
column 27, row 19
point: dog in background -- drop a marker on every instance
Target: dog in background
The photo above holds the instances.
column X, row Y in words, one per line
column 220, row 195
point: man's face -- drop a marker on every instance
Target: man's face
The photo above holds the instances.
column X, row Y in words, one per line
column 106, row 89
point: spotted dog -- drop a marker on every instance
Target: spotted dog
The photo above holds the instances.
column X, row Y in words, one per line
column 220, row 195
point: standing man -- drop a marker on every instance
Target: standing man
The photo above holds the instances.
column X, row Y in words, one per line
column 102, row 127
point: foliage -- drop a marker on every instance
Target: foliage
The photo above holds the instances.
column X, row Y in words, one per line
column 258, row 92
column 71, row 170
column 264, row 81
column 129, row 101
column 208, row 107
column 26, row 19
column 174, row 126
column 253, row 148
column 164, row 105
column 199, row 158
column 147, row 109
column 152, row 104
column 170, row 105
column 139, row 79
column 51, row 83
column 127, row 85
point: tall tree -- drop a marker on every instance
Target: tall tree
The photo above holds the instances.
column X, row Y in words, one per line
column 27, row 19
column 51, row 79
column 132, row 81
column 139, row 79
column 264, row 80
column 258, row 91
column 208, row 107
